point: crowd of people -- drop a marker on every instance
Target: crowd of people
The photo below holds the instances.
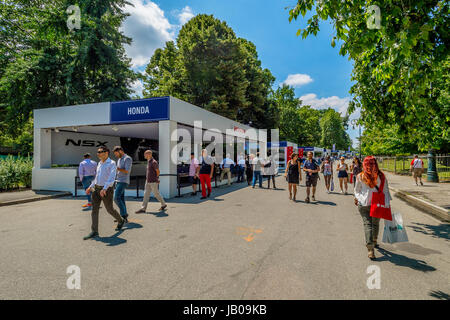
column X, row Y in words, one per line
column 107, row 180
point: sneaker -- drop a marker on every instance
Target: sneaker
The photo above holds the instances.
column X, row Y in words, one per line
column 91, row 235
column 87, row 205
column 313, row 198
column 124, row 218
column 120, row 225
column 307, row 200
column 342, row 192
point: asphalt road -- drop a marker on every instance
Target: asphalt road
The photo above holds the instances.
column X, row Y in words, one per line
column 242, row 244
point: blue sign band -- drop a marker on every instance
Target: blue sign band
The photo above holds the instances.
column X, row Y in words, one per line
column 142, row 110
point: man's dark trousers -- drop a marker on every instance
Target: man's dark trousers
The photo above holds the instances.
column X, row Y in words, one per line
column 107, row 201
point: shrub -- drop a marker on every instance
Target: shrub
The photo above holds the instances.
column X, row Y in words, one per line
column 15, row 172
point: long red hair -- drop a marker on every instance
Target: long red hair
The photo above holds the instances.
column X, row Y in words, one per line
column 371, row 171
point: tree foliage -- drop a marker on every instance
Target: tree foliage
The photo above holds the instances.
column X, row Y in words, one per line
column 45, row 64
column 400, row 69
column 307, row 126
column 212, row 68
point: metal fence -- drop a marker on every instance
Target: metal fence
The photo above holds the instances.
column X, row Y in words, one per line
column 401, row 165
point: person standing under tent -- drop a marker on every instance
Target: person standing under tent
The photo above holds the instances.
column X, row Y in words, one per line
column 86, row 173
column 206, row 172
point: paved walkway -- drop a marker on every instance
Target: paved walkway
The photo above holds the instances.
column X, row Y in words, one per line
column 243, row 243
column 435, row 193
column 27, row 196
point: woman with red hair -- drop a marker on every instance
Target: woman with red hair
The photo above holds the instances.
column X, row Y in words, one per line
column 367, row 182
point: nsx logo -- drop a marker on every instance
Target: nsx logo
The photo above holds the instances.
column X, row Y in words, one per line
column 86, row 143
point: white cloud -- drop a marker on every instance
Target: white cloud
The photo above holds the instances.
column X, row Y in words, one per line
column 338, row 104
column 149, row 28
column 137, row 87
column 297, row 80
column 186, row 15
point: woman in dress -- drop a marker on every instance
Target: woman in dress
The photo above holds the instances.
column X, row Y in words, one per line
column 292, row 175
column 368, row 182
column 327, row 170
column 342, row 169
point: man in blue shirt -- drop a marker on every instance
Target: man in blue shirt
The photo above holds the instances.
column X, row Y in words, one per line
column 102, row 189
column 124, row 163
column 86, row 172
column 311, row 169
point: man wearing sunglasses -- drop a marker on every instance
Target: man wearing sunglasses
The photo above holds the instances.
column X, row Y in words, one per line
column 102, row 189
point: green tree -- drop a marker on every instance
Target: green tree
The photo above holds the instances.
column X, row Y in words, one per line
column 210, row 67
column 400, row 69
column 290, row 122
column 45, row 64
column 333, row 131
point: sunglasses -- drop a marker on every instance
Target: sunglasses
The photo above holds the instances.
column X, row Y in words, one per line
column 100, row 152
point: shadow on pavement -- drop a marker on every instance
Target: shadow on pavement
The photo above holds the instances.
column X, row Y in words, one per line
column 439, row 295
column 113, row 240
column 404, row 261
column 440, row 231
column 158, row 214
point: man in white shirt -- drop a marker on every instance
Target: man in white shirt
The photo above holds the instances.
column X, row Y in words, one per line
column 416, row 168
column 102, row 189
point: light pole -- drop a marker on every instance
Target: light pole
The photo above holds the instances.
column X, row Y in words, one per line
column 355, row 122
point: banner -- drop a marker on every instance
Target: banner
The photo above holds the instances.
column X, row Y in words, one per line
column 289, row 152
column 69, row 147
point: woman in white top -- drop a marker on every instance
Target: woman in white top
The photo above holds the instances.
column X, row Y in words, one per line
column 368, row 182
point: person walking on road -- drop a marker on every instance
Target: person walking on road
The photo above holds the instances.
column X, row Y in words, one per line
column 311, row 169
column 327, row 171
column 86, row 172
column 206, row 172
column 368, row 182
column 292, row 175
column 226, row 168
column 355, row 168
column 249, row 168
column 342, row 169
column 256, row 162
column 193, row 173
column 270, row 171
column 102, row 189
column 416, row 168
column 152, row 183
column 124, row 163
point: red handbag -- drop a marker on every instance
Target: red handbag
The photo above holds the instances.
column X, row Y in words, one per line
column 378, row 209
column 351, row 178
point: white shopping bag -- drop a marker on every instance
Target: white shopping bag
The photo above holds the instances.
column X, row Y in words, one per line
column 394, row 231
column 332, row 184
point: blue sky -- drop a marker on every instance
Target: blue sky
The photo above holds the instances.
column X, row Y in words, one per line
column 321, row 76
